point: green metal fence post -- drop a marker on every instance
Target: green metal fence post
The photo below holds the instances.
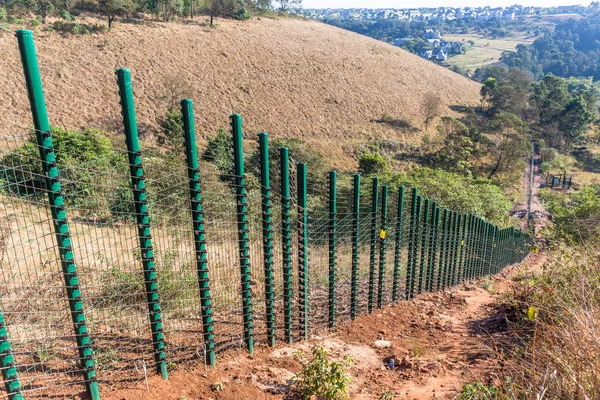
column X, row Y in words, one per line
column 41, row 124
column 243, row 228
column 286, row 243
column 485, row 250
column 448, row 249
column 332, row 244
column 436, row 244
column 453, row 248
column 423, row 237
column 443, row 249
column 140, row 197
column 191, row 155
column 7, row 365
column 382, row 245
column 471, row 248
column 374, row 207
column 302, row 251
column 462, row 247
column 417, row 247
column 431, row 254
column 398, row 248
column 412, row 243
column 456, row 252
column 355, row 248
column 267, row 236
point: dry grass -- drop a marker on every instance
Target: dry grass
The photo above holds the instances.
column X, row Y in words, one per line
column 558, row 357
column 289, row 77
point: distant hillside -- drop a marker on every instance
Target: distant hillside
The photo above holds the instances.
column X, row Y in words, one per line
column 289, row 77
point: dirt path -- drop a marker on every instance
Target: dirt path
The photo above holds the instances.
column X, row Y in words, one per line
column 437, row 341
column 540, row 215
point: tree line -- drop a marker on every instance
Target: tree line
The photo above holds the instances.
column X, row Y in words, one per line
column 166, row 10
column 571, row 49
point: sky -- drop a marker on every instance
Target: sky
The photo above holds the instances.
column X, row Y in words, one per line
column 432, row 3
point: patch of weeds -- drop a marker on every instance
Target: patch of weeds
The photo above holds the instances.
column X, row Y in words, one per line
column 44, row 354
column 106, row 358
column 323, row 378
column 16, row 20
column 488, row 285
column 417, row 351
column 217, row 387
column 386, row 396
column 73, row 28
column 477, row 391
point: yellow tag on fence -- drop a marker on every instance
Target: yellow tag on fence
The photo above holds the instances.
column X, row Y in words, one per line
column 462, row 242
column 382, row 234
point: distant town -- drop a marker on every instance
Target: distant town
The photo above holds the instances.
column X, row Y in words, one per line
column 441, row 14
column 422, row 30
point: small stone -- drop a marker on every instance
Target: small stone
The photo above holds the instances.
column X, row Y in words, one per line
column 383, row 344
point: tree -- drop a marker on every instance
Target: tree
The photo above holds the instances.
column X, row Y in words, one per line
column 431, row 107
column 457, row 147
column 489, row 88
column 226, row 8
column 510, row 145
column 116, row 8
column 288, row 5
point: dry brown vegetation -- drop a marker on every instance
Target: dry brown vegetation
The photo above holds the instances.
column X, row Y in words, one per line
column 289, row 77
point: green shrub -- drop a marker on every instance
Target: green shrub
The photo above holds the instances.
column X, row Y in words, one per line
column 575, row 216
column 16, row 20
column 3, row 15
column 456, row 192
column 372, row 164
column 219, row 151
column 240, row 10
column 322, row 378
column 66, row 15
column 477, row 391
column 77, row 153
column 34, row 22
column 171, row 125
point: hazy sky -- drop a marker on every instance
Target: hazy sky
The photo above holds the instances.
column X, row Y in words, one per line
column 431, row 3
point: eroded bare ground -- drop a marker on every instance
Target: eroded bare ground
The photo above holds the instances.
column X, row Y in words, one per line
column 438, row 343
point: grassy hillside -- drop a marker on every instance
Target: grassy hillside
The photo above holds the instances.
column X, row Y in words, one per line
column 289, row 77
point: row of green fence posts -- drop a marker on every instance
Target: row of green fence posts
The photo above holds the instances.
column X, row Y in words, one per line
column 469, row 247
column 562, row 180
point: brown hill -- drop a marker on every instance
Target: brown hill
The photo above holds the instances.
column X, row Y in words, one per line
column 289, row 77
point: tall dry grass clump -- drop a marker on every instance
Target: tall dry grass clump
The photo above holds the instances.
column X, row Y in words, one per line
column 559, row 355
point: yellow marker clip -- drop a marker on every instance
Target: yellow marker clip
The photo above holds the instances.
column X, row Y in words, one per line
column 462, row 242
column 382, row 234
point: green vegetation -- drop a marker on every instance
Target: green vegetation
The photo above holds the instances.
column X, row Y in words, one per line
column 571, row 49
column 166, row 10
column 477, row 391
column 575, row 216
column 328, row 380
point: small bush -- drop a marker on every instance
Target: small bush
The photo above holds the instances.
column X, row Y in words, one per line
column 322, row 378
column 372, row 164
column 34, row 22
column 3, row 15
column 16, row 20
column 74, row 28
column 66, row 15
column 171, row 128
column 219, row 151
column 477, row 391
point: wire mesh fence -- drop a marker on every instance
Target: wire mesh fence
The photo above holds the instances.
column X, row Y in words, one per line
column 118, row 261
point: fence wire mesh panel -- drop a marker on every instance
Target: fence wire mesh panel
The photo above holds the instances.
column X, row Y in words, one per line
column 167, row 257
